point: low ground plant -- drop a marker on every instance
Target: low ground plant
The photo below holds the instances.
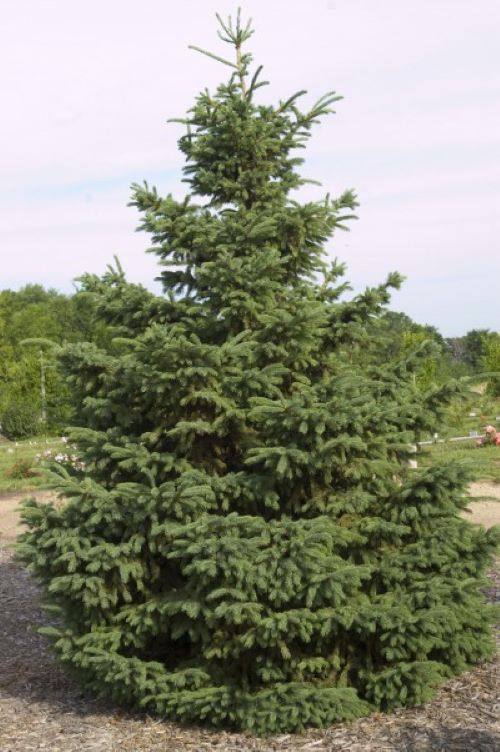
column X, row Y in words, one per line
column 20, row 469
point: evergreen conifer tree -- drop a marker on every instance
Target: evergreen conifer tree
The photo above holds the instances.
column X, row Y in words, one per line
column 247, row 546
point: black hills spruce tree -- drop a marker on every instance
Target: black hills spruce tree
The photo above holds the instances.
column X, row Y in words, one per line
column 247, row 546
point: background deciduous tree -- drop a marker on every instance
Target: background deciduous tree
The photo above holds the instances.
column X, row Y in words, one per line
column 31, row 313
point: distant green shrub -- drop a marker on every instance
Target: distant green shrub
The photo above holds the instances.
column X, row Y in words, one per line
column 493, row 388
column 19, row 421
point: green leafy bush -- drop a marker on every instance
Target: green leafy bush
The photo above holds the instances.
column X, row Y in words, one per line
column 19, row 421
column 493, row 388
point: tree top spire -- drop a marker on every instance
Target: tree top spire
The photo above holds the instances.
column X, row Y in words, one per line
column 235, row 34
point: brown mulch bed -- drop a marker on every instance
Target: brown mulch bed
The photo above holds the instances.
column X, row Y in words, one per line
column 41, row 709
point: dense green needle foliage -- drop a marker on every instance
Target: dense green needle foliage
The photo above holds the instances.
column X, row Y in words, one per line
column 247, row 546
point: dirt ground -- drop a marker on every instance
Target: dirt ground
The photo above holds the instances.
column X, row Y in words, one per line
column 485, row 511
column 41, row 709
column 9, row 513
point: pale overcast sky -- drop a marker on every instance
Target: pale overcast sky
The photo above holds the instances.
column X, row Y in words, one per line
column 87, row 86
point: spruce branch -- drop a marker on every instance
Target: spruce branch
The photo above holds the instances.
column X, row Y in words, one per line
column 254, row 84
column 212, row 55
column 289, row 102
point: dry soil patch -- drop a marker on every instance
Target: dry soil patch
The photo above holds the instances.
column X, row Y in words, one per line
column 10, row 526
column 485, row 511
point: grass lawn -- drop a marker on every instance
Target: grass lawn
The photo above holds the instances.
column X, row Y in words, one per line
column 18, row 468
column 484, row 461
column 471, row 414
column 464, row 417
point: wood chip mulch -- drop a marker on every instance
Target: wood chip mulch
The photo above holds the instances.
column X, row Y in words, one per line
column 41, row 709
